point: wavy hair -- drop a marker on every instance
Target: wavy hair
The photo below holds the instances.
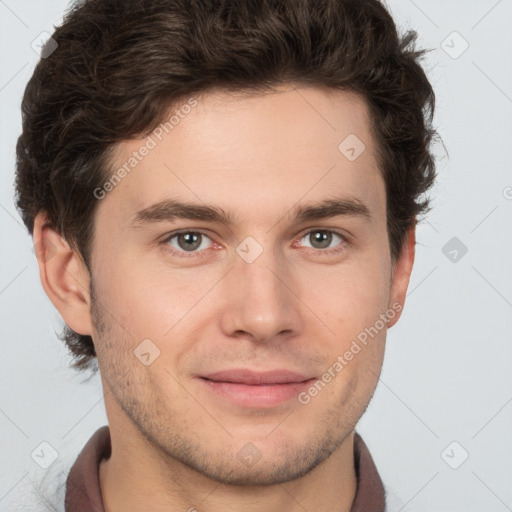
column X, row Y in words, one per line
column 120, row 65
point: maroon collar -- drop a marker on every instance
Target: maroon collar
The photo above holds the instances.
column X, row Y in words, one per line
column 370, row 495
column 83, row 486
column 83, row 483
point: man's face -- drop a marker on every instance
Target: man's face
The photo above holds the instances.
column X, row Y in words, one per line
column 266, row 291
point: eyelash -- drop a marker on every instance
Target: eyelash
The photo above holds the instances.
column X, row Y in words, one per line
column 196, row 254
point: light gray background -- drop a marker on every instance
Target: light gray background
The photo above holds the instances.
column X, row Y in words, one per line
column 447, row 372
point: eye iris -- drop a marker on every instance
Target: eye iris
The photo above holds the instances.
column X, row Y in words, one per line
column 324, row 238
column 192, row 241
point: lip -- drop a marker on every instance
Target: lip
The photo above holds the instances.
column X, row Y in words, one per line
column 247, row 388
column 245, row 376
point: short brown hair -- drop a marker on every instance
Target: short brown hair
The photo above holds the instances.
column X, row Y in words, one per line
column 120, row 65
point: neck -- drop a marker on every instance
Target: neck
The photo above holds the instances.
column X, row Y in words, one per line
column 138, row 476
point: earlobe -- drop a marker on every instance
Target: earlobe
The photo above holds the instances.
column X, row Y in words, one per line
column 64, row 276
column 402, row 274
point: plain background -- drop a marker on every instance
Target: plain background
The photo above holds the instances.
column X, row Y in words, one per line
column 447, row 372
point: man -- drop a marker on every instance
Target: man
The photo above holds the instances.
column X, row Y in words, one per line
column 223, row 198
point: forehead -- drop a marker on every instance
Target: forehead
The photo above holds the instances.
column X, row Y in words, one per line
column 239, row 151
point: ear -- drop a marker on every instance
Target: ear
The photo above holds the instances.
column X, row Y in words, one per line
column 402, row 273
column 64, row 276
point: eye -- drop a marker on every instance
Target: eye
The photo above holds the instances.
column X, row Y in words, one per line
column 188, row 241
column 323, row 238
column 191, row 243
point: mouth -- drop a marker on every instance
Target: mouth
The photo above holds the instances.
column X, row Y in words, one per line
column 247, row 388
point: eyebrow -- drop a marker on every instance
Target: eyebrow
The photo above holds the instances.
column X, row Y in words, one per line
column 171, row 209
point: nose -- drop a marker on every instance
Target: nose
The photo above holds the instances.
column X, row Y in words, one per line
column 261, row 300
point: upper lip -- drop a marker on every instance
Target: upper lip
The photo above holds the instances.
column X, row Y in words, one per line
column 245, row 376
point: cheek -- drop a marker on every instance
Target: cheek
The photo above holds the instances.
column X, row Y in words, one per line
column 152, row 303
column 355, row 295
column 350, row 305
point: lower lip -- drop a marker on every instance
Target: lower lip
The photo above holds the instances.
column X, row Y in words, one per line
column 246, row 395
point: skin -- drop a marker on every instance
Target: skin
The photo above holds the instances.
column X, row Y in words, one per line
column 174, row 442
